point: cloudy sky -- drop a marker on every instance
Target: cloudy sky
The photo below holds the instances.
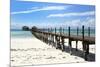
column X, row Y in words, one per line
column 40, row 14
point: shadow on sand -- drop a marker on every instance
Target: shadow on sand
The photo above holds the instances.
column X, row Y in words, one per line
column 80, row 53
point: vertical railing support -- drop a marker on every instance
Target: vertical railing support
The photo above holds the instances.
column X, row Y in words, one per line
column 85, row 45
column 77, row 40
column 63, row 31
column 70, row 45
column 56, row 43
column 83, row 37
column 89, row 31
column 69, row 31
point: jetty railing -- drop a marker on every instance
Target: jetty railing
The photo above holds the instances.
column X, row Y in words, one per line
column 55, row 37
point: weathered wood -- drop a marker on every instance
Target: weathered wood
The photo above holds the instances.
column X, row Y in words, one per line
column 77, row 31
column 76, row 45
column 52, row 37
column 55, row 30
column 86, row 50
column 55, row 39
column 83, row 38
column 70, row 45
column 89, row 31
column 60, row 30
column 63, row 30
column 56, row 43
column 62, row 45
column 85, row 45
column 77, row 40
column 69, row 32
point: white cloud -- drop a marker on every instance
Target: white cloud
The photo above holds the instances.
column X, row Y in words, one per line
column 89, row 13
column 86, row 2
column 88, row 22
column 17, row 25
column 47, row 8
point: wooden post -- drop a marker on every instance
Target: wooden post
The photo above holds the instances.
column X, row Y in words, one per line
column 49, row 36
column 60, row 34
column 89, row 31
column 46, row 37
column 62, row 45
column 60, row 30
column 70, row 45
column 61, row 39
column 63, row 30
column 84, row 45
column 87, row 48
column 86, row 51
column 69, row 31
column 77, row 31
column 55, row 30
column 83, row 37
column 55, row 37
column 42, row 36
column 77, row 40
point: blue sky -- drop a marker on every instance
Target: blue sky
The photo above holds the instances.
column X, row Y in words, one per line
column 40, row 14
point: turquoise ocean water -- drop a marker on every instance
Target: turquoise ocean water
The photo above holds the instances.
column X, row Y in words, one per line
column 28, row 34
column 21, row 34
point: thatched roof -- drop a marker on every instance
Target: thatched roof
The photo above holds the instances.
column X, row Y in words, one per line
column 25, row 28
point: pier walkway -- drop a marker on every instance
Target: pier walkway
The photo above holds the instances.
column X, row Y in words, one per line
column 57, row 39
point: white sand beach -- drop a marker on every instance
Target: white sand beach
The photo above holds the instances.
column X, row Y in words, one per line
column 31, row 51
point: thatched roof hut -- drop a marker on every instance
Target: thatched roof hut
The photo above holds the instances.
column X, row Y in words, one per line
column 25, row 28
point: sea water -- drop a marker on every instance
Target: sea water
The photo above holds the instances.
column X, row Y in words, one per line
column 74, row 32
column 16, row 33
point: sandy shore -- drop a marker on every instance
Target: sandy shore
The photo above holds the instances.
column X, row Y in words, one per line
column 31, row 51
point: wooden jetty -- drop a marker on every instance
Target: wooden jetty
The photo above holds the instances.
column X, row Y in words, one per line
column 57, row 39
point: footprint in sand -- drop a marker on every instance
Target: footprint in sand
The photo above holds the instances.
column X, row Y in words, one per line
column 50, row 57
column 64, row 57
